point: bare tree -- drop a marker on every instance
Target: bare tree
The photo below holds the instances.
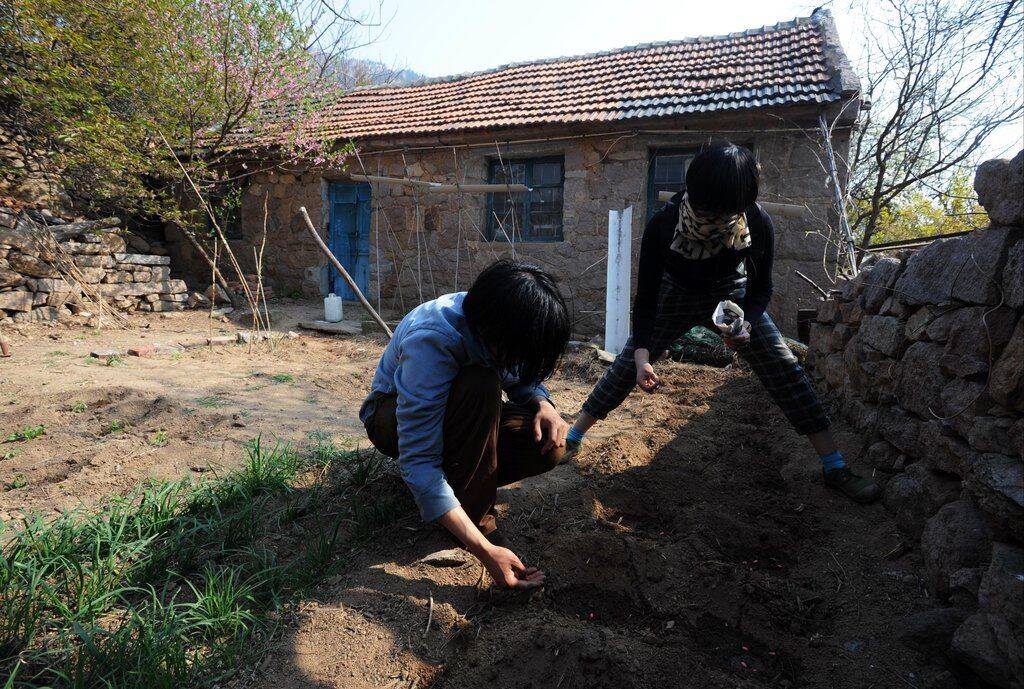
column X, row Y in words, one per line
column 940, row 77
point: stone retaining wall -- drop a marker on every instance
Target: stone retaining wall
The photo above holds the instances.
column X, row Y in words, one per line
column 924, row 352
column 49, row 269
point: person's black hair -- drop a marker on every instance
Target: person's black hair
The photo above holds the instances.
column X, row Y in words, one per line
column 516, row 310
column 722, row 178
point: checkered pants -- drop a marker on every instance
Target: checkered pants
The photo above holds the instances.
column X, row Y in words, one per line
column 680, row 309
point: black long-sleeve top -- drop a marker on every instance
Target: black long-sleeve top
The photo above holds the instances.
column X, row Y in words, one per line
column 658, row 258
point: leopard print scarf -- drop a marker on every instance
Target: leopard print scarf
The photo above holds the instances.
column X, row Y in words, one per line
column 701, row 236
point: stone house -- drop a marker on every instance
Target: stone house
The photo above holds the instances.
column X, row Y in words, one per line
column 587, row 134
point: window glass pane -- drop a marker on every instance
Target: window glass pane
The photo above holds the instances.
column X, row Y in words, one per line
column 534, row 215
column 508, row 173
column 670, row 169
column 546, row 174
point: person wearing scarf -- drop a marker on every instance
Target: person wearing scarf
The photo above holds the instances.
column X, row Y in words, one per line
column 710, row 243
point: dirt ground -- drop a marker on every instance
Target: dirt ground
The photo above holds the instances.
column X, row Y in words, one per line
column 689, row 545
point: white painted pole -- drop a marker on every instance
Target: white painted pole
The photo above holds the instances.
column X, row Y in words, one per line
column 620, row 266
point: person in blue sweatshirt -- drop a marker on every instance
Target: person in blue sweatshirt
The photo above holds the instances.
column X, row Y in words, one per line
column 710, row 243
column 436, row 404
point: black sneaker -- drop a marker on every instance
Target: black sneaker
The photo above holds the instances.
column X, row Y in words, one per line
column 853, row 486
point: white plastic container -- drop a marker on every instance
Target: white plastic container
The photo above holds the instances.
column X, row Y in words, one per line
column 332, row 308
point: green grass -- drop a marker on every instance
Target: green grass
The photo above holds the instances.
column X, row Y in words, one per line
column 57, row 352
column 282, row 378
column 182, row 583
column 211, row 401
column 116, row 426
column 78, row 407
column 158, row 439
column 26, row 433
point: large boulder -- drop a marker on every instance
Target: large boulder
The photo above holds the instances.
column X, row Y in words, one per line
column 33, row 266
column 1013, row 276
column 957, row 536
column 1002, row 587
column 919, row 380
column 1007, row 378
column 16, row 301
column 980, row 331
column 997, row 483
column 916, row 495
column 901, row 429
column 960, row 269
column 884, row 333
column 998, row 184
column 878, row 282
column 992, row 648
column 942, row 450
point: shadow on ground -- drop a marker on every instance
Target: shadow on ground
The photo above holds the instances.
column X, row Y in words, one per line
column 690, row 546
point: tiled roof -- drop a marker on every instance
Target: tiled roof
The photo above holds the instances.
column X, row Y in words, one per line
column 795, row 62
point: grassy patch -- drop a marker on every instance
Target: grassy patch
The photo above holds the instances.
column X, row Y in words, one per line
column 26, row 433
column 57, row 352
column 182, row 583
column 211, row 401
column 158, row 439
column 78, row 407
column 282, row 378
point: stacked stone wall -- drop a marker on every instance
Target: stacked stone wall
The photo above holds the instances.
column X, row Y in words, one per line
column 52, row 270
column 924, row 352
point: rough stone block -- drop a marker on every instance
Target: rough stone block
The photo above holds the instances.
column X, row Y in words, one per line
column 998, row 183
column 883, row 333
column 992, row 648
column 992, row 434
column 16, row 301
column 919, row 381
column 997, row 483
column 929, row 630
column 943, row 451
column 959, row 269
column 980, row 331
column 878, row 283
column 92, row 276
column 1007, row 380
column 901, row 429
column 142, row 259
column 28, row 264
column 52, row 285
column 1013, row 276
column 956, row 536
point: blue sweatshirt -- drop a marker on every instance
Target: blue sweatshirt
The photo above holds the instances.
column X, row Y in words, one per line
column 429, row 347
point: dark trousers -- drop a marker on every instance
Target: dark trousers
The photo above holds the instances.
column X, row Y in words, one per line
column 487, row 443
column 679, row 309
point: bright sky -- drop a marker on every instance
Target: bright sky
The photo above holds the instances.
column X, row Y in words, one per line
column 443, row 37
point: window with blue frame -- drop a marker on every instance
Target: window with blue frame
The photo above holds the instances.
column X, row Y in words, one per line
column 533, row 216
column 667, row 172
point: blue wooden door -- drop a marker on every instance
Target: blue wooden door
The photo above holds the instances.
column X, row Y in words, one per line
column 350, row 236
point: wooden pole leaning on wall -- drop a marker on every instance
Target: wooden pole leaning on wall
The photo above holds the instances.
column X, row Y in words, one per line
column 440, row 187
column 344, row 273
column 784, row 210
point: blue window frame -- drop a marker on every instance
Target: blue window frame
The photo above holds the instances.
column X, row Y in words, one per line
column 533, row 216
column 666, row 172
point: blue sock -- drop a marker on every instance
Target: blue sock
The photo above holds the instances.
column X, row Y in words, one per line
column 574, row 436
column 833, row 461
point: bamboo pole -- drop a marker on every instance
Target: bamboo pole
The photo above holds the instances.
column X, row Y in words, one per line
column 785, row 210
column 439, row 187
column 344, row 273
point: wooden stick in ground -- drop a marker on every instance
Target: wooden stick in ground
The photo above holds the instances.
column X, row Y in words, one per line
column 217, row 276
column 344, row 273
column 812, row 283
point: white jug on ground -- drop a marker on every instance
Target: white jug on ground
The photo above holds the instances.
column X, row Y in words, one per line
column 332, row 308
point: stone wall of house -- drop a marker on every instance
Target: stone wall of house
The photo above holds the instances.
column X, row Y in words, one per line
column 51, row 269
column 924, row 353
column 602, row 172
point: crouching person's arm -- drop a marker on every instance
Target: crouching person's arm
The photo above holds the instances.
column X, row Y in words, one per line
column 502, row 564
column 423, row 381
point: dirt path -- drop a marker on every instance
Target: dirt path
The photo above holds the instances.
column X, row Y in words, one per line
column 110, row 426
column 690, row 545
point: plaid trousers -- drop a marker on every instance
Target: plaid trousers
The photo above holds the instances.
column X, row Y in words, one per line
column 680, row 309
